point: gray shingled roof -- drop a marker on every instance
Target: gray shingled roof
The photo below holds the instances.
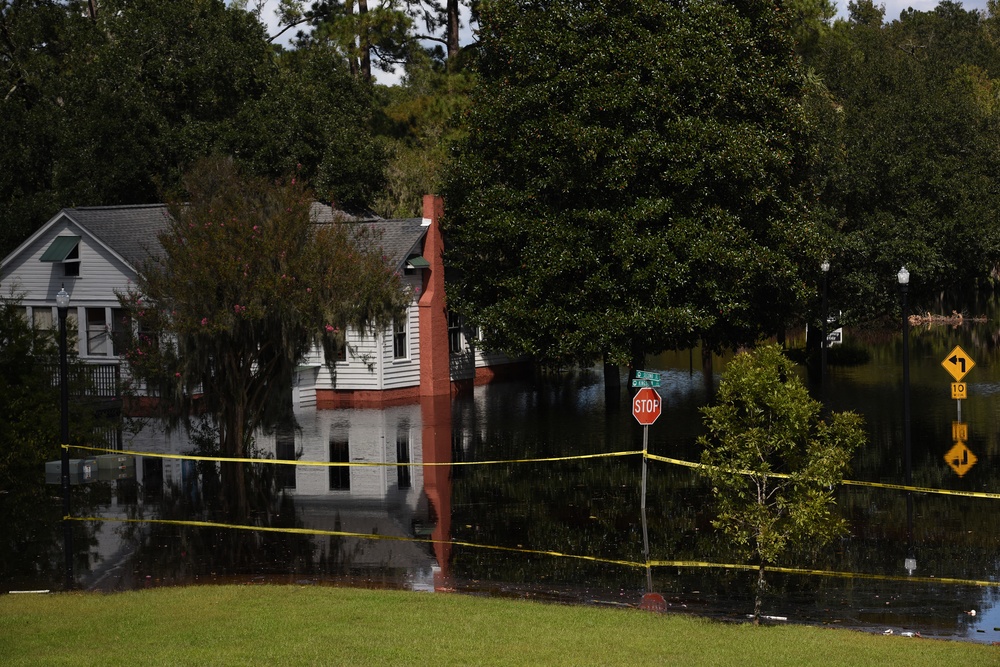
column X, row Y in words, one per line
column 131, row 231
column 398, row 238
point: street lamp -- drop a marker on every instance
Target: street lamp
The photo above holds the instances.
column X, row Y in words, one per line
column 904, row 285
column 62, row 305
column 825, row 267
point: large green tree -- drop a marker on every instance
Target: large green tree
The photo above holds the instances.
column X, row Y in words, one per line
column 635, row 176
column 245, row 286
column 39, row 44
column 773, row 462
column 315, row 119
column 918, row 138
column 113, row 110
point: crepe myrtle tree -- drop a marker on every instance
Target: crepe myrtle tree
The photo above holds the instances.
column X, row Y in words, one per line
column 773, row 462
column 244, row 287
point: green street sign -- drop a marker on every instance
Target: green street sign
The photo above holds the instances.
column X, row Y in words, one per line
column 647, row 375
column 646, row 382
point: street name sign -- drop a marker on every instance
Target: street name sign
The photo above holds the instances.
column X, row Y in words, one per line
column 643, row 382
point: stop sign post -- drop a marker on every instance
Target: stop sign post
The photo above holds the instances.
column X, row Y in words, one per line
column 646, row 406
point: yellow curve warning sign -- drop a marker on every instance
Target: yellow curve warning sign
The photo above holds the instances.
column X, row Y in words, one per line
column 958, row 363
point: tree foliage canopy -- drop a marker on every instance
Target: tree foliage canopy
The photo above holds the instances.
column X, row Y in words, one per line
column 634, row 175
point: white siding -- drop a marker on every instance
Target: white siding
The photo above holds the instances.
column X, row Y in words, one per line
column 101, row 273
column 401, row 373
column 370, row 364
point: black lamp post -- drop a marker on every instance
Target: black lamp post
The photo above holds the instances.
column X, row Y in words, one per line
column 904, row 285
column 62, row 305
column 825, row 267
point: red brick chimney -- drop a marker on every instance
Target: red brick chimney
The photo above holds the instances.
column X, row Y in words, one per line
column 435, row 365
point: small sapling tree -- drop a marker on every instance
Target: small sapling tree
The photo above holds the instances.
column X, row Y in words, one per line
column 773, row 462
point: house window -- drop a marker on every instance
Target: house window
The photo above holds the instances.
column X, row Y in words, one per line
column 455, row 341
column 400, row 347
column 71, row 265
column 152, row 478
column 64, row 250
column 98, row 344
column 121, row 324
column 41, row 320
column 403, row 456
column 284, row 449
column 340, row 476
column 342, row 352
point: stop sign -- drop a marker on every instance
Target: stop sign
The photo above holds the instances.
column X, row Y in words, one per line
column 646, row 406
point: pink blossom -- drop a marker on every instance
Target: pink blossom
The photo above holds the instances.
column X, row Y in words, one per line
column 309, row 290
column 204, row 321
column 177, row 375
column 331, row 329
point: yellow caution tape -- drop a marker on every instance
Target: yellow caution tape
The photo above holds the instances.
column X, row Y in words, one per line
column 555, row 554
column 636, row 452
column 358, row 464
column 923, row 489
column 849, row 482
column 362, row 536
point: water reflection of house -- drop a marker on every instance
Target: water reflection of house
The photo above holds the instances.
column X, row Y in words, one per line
column 94, row 251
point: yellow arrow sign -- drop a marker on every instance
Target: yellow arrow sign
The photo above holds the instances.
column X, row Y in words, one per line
column 960, row 458
column 958, row 363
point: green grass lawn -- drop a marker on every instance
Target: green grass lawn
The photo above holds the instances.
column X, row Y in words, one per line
column 293, row 625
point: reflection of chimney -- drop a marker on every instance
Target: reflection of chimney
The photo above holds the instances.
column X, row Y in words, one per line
column 435, row 371
column 435, row 418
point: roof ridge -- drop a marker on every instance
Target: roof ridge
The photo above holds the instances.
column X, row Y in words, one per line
column 115, row 207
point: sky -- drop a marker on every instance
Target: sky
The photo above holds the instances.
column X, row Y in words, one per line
column 894, row 7
column 892, row 11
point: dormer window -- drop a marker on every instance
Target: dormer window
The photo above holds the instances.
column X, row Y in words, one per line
column 66, row 251
column 414, row 262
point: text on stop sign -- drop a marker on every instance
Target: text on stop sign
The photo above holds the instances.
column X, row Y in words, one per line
column 647, row 405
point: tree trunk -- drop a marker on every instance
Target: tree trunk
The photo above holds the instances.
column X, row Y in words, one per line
column 612, row 386
column 364, row 43
column 706, row 369
column 234, row 480
column 759, row 598
column 452, row 36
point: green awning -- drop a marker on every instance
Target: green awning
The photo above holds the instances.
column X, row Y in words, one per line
column 60, row 249
column 417, row 262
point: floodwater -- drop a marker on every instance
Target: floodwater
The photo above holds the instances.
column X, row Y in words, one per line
column 473, row 508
